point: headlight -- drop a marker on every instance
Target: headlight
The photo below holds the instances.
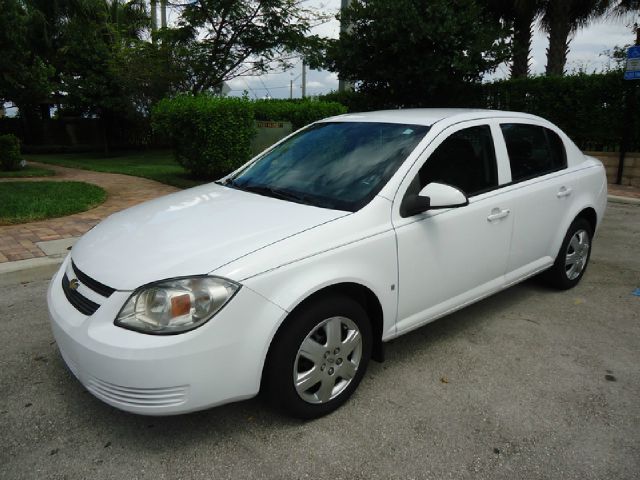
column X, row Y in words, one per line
column 176, row 305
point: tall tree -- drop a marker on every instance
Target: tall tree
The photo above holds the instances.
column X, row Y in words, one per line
column 417, row 52
column 624, row 7
column 561, row 19
column 217, row 40
column 26, row 78
column 93, row 34
column 520, row 14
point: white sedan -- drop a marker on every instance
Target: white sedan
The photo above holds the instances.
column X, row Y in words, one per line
column 289, row 274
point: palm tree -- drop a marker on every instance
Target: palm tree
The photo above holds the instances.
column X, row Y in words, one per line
column 561, row 18
column 520, row 14
column 622, row 7
column 626, row 9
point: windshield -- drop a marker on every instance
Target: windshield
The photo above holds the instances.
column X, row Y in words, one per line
column 340, row 165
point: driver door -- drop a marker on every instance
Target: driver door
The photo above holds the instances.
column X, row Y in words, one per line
column 448, row 258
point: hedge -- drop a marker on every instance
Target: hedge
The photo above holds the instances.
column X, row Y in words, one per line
column 10, row 158
column 298, row 112
column 589, row 108
column 212, row 135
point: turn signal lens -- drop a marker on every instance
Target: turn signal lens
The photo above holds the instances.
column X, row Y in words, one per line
column 180, row 305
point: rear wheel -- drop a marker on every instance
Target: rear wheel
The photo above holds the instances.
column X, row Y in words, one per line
column 573, row 257
column 319, row 357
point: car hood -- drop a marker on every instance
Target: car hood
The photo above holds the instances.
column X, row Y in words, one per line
column 190, row 232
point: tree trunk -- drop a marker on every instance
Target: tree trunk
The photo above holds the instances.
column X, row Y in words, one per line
column 105, row 120
column 559, row 30
column 521, row 46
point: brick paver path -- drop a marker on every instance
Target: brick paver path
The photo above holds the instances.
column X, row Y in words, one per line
column 18, row 242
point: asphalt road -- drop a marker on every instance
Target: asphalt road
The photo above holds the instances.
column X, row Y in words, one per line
column 530, row 383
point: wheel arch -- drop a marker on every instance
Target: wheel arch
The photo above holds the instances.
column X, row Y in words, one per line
column 356, row 291
column 589, row 213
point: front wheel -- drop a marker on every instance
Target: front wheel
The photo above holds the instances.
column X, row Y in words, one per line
column 319, row 357
column 573, row 257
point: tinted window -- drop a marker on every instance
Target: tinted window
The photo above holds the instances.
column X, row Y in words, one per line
column 340, row 165
column 466, row 159
column 533, row 150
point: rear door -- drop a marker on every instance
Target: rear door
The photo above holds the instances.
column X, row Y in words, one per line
column 540, row 193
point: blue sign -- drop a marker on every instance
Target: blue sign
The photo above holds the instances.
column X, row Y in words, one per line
column 632, row 71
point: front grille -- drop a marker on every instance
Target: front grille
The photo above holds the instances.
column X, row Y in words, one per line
column 94, row 285
column 80, row 302
column 87, row 306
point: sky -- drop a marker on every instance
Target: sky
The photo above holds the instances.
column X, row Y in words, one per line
column 587, row 53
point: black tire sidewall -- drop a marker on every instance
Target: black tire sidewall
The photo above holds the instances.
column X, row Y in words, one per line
column 558, row 272
column 279, row 385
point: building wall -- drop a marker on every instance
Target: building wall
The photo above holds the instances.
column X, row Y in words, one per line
column 630, row 172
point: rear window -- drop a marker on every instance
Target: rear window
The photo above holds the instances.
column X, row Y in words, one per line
column 533, row 150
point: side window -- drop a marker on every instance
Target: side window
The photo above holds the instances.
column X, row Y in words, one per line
column 466, row 159
column 533, row 150
column 558, row 151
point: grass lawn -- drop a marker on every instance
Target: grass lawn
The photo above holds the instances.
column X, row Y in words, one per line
column 157, row 165
column 29, row 201
column 28, row 171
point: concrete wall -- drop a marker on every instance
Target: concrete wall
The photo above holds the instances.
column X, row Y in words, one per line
column 630, row 172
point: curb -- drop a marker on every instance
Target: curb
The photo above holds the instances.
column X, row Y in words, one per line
column 627, row 200
column 29, row 270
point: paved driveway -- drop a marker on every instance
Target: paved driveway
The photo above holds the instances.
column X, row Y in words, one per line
column 530, row 383
column 18, row 242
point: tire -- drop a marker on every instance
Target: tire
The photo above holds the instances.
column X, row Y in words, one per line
column 327, row 367
column 573, row 257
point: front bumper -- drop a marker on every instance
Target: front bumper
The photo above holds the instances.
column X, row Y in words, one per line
column 217, row 363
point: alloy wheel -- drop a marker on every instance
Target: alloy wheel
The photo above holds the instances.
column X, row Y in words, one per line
column 577, row 254
column 327, row 360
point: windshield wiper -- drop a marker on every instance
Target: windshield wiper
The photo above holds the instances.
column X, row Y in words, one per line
column 226, row 183
column 275, row 193
column 268, row 192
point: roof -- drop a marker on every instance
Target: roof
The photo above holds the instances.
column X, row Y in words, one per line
column 424, row 116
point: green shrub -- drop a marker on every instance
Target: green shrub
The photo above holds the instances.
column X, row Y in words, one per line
column 356, row 101
column 589, row 108
column 211, row 135
column 10, row 153
column 298, row 112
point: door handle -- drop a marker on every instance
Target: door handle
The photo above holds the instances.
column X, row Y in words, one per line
column 497, row 214
column 564, row 192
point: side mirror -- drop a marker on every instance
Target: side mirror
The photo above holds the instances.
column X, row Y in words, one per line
column 433, row 196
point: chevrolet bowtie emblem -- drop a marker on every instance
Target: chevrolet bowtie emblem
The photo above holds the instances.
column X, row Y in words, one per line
column 74, row 284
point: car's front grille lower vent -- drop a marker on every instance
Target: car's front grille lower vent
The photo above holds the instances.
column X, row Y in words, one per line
column 82, row 304
column 73, row 289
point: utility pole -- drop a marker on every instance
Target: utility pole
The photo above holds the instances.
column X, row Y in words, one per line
column 154, row 16
column 304, row 79
column 344, row 85
column 290, row 89
column 163, row 13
